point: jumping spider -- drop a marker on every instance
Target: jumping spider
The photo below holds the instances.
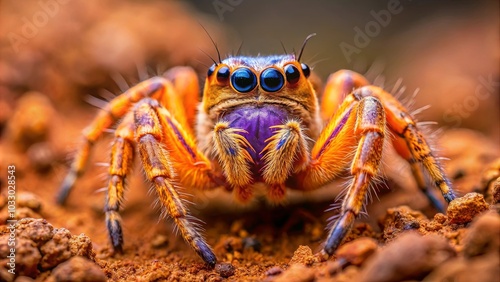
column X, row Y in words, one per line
column 259, row 121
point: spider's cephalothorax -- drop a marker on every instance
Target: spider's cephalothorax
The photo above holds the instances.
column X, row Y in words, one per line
column 254, row 116
column 259, row 122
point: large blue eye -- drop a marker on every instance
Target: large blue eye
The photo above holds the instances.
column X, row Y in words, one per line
column 271, row 80
column 243, row 80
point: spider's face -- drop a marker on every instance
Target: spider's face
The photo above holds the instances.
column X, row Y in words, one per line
column 255, row 94
column 278, row 79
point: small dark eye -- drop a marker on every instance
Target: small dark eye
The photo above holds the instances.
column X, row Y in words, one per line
column 271, row 80
column 306, row 70
column 211, row 70
column 223, row 74
column 243, row 80
column 292, row 74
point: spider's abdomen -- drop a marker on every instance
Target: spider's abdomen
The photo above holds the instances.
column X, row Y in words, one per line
column 257, row 121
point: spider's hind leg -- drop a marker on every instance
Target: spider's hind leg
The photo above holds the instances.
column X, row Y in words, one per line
column 157, row 88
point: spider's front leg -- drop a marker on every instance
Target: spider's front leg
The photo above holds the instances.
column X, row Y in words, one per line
column 361, row 124
column 370, row 127
column 169, row 156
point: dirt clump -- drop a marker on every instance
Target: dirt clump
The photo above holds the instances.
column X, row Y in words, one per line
column 480, row 258
column 78, row 269
column 41, row 247
column 483, row 236
column 357, row 251
column 401, row 219
column 411, row 256
column 303, row 255
column 28, row 258
column 297, row 272
column 463, row 210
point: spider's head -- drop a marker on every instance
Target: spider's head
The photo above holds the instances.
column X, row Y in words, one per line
column 255, row 95
column 259, row 80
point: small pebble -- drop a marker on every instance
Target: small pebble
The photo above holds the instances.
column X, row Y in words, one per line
column 41, row 156
column 273, row 271
column 400, row 219
column 31, row 120
column 225, row 269
column 24, row 279
column 356, row 252
column 159, row 241
column 233, row 244
column 296, row 273
column 29, row 200
column 463, row 210
column 252, row 243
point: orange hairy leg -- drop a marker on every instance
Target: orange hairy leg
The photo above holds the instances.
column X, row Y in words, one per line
column 410, row 144
column 185, row 102
column 158, row 88
column 338, row 86
column 370, row 127
column 191, row 166
column 151, row 134
column 328, row 156
column 121, row 162
column 153, row 125
column 406, row 138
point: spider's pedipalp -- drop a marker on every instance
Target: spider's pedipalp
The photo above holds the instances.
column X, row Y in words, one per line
column 231, row 149
column 286, row 151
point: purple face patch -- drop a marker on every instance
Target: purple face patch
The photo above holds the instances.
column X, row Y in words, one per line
column 257, row 120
